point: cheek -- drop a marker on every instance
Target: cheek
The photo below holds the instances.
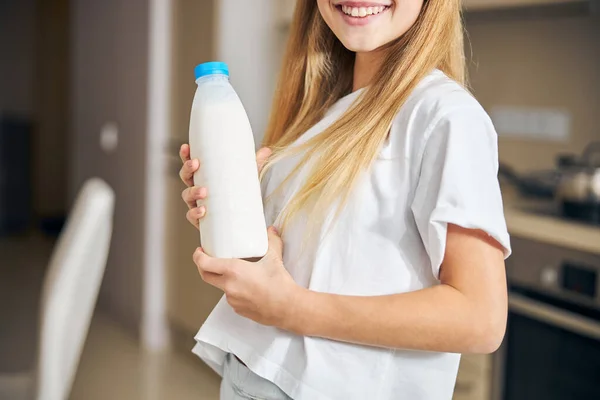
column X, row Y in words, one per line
column 405, row 15
column 323, row 6
column 325, row 11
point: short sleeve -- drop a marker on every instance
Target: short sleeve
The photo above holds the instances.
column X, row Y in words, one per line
column 458, row 182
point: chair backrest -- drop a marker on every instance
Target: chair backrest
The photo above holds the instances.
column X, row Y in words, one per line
column 71, row 289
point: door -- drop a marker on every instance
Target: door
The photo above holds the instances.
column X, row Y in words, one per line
column 109, row 92
column 551, row 350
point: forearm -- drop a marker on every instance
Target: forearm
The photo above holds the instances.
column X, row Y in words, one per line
column 439, row 318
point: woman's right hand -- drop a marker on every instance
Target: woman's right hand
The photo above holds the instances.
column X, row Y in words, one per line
column 192, row 194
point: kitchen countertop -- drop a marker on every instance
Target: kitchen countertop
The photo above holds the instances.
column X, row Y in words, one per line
column 547, row 228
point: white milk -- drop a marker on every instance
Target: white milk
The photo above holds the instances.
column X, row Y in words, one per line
column 221, row 138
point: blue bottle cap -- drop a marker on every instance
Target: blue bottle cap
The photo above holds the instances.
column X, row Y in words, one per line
column 211, row 68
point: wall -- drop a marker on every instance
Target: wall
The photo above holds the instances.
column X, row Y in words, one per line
column 17, row 44
column 547, row 62
column 33, row 83
column 247, row 39
column 51, row 108
column 109, row 82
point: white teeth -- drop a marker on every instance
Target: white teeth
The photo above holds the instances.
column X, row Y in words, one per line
column 362, row 11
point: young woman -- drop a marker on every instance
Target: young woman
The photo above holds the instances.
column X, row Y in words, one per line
column 380, row 174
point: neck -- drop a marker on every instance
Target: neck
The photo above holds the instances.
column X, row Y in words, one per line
column 366, row 66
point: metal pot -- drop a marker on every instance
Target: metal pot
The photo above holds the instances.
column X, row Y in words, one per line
column 578, row 191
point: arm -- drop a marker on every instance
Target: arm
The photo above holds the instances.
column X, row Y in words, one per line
column 466, row 313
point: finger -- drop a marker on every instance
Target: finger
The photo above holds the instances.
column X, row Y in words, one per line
column 261, row 157
column 184, row 152
column 192, row 194
column 206, row 263
column 186, row 173
column 275, row 243
column 194, row 215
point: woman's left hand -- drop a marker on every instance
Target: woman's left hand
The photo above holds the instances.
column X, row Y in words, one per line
column 263, row 291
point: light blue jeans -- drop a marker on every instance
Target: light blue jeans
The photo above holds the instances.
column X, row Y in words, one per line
column 239, row 383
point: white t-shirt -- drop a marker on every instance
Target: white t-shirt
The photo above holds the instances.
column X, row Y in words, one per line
column 438, row 166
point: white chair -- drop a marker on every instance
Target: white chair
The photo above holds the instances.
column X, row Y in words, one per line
column 70, row 291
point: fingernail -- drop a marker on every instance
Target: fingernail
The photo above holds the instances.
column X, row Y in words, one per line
column 194, row 163
column 202, row 192
column 202, row 211
column 275, row 230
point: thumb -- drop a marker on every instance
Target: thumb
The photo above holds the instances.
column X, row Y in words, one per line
column 275, row 243
column 261, row 157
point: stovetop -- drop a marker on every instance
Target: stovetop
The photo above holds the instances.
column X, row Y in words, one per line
column 551, row 209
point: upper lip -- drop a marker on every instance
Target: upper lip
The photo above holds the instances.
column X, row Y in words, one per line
column 355, row 4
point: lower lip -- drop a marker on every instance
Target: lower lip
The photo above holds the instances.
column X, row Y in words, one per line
column 360, row 21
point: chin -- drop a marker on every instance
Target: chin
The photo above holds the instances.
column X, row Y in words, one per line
column 360, row 46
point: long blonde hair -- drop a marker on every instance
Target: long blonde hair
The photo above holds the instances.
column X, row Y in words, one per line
column 317, row 71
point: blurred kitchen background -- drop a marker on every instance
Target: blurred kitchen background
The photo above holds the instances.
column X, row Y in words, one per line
column 103, row 88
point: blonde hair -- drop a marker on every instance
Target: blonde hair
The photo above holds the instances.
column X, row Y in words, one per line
column 317, row 71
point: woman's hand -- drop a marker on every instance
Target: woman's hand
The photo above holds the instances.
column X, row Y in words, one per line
column 193, row 195
column 263, row 291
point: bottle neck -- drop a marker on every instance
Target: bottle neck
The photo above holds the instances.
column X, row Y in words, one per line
column 212, row 77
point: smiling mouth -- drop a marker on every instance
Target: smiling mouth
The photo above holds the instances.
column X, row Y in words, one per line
column 361, row 12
